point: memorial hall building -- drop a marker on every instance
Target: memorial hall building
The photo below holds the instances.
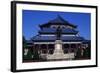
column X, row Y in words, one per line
column 58, row 40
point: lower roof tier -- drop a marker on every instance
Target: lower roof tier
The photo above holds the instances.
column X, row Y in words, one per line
column 53, row 38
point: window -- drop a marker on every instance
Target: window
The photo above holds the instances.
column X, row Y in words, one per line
column 66, row 46
column 51, row 46
column 50, row 51
column 36, row 46
column 44, row 51
column 73, row 45
column 65, row 51
column 72, row 50
column 43, row 46
column 79, row 45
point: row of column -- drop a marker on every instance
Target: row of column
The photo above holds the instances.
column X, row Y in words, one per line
column 69, row 48
column 66, row 47
column 44, row 48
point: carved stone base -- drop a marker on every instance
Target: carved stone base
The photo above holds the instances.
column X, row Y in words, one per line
column 58, row 52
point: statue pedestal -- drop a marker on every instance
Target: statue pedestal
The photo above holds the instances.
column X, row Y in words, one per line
column 58, row 52
column 58, row 48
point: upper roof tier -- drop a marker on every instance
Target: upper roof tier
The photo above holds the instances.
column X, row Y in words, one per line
column 54, row 30
column 58, row 21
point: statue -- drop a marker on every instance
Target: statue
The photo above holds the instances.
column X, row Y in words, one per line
column 58, row 33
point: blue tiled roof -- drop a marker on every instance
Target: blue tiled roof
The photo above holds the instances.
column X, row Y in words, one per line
column 48, row 30
column 72, row 38
column 53, row 30
column 53, row 38
column 29, row 41
column 69, row 30
column 58, row 20
column 44, row 38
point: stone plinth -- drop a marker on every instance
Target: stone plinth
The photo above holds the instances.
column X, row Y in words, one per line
column 58, row 52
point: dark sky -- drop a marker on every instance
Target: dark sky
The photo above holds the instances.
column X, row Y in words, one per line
column 31, row 19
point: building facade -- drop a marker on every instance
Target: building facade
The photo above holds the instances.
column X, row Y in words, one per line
column 59, row 40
